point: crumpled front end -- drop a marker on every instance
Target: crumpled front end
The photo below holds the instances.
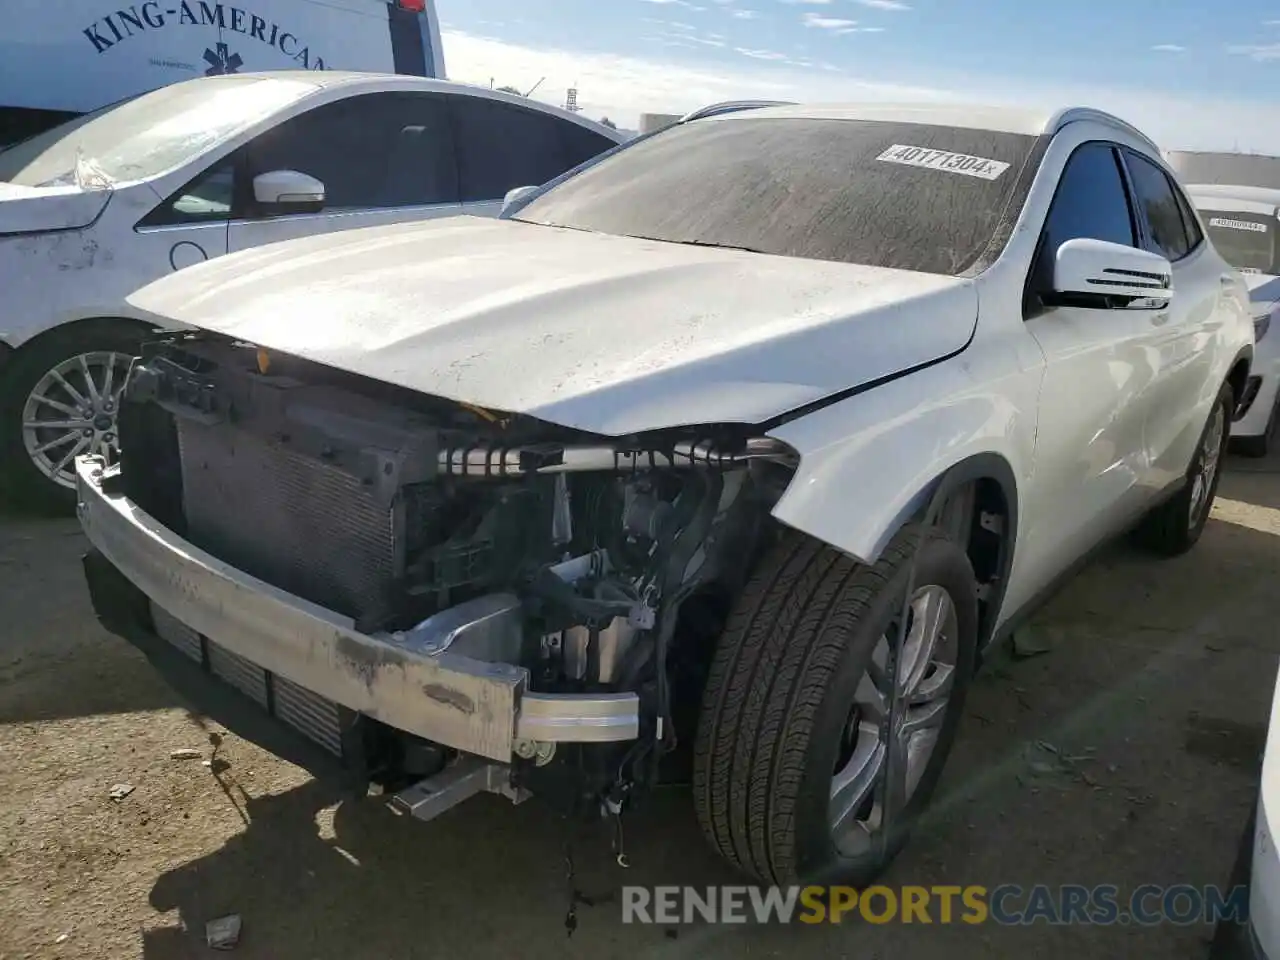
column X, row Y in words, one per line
column 419, row 589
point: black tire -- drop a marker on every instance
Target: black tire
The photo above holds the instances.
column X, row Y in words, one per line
column 793, row 652
column 1170, row 529
column 20, row 479
column 1258, row 446
column 1255, row 447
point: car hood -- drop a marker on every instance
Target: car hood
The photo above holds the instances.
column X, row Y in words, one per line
column 612, row 335
column 36, row 209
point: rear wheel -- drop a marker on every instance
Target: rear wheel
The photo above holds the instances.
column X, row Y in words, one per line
column 59, row 399
column 1174, row 527
column 811, row 763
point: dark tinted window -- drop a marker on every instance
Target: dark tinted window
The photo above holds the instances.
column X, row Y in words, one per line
column 376, row 150
column 581, row 144
column 1189, row 223
column 1091, row 202
column 1155, row 195
column 502, row 146
column 211, row 196
column 1245, row 240
column 911, row 196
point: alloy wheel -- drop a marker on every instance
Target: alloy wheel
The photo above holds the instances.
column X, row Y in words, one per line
column 893, row 727
column 1206, row 465
column 72, row 410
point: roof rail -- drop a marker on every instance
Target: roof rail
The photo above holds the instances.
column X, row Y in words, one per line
column 731, row 106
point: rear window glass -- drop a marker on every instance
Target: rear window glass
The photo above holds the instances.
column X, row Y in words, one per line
column 1245, row 240
column 908, row 196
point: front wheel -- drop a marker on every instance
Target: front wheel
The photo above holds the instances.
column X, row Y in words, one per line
column 1174, row 527
column 811, row 763
column 59, row 398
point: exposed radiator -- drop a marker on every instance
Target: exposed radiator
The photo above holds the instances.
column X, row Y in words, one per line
column 310, row 714
column 293, row 521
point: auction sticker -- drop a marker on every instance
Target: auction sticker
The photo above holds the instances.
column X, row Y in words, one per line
column 962, row 163
column 1238, row 224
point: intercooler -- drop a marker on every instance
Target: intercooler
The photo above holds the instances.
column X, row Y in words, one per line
column 313, row 716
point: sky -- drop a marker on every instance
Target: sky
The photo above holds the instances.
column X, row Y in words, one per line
column 1192, row 74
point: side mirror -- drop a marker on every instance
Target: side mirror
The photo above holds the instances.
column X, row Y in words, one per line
column 288, row 191
column 1109, row 276
column 513, row 197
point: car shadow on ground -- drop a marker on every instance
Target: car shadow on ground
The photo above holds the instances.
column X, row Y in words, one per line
column 1123, row 753
column 56, row 662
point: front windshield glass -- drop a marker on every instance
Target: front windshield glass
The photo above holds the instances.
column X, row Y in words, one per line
column 150, row 134
column 912, row 196
column 1245, row 240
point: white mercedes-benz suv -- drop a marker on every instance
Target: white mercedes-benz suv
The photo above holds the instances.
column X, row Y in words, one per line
column 728, row 453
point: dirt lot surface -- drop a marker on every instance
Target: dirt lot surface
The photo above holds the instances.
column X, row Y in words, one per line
column 1157, row 685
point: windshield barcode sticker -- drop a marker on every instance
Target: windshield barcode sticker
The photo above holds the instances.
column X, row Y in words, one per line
column 1238, row 224
column 963, row 163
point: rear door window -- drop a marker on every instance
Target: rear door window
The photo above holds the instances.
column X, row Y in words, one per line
column 502, row 146
column 1158, row 200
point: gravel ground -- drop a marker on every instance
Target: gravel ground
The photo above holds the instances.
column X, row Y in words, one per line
column 1159, row 673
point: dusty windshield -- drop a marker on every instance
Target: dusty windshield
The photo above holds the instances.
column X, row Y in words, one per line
column 1245, row 240
column 921, row 197
column 148, row 135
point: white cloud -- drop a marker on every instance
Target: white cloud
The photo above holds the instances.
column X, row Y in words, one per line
column 678, row 3
column 884, row 4
column 1262, row 51
column 828, row 23
column 760, row 54
column 622, row 87
column 745, row 14
column 1169, row 48
column 798, row 2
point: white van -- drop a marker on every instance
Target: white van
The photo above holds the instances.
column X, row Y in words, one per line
column 62, row 58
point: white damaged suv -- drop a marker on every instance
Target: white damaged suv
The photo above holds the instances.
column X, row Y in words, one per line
column 727, row 455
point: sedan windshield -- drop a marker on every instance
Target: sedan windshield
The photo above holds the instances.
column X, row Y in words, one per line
column 150, row 134
column 911, row 196
column 1247, row 241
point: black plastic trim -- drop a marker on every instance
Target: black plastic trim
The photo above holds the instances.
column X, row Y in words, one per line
column 124, row 611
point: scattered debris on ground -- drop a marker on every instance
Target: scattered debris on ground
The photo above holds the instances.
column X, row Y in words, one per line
column 223, row 933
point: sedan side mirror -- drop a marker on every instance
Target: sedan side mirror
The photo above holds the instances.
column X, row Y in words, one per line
column 513, row 197
column 1101, row 275
column 288, row 191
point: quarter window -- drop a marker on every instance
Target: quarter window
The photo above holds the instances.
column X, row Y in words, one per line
column 1158, row 199
column 210, row 197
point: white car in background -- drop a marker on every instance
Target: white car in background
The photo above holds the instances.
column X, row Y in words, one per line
column 103, row 204
column 1256, row 936
column 1242, row 222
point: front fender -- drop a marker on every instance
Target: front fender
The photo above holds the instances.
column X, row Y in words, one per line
column 869, row 463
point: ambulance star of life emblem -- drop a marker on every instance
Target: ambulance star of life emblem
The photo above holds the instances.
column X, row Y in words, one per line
column 221, row 61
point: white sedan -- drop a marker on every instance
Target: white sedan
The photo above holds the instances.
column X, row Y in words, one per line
column 103, row 204
column 760, row 473
column 1243, row 223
